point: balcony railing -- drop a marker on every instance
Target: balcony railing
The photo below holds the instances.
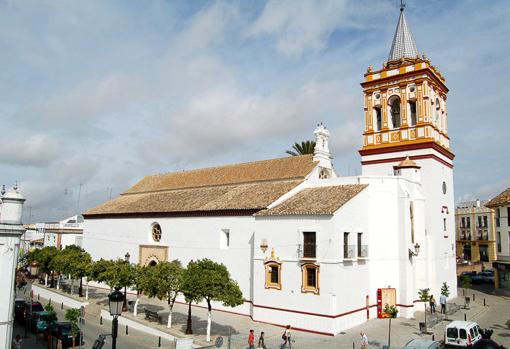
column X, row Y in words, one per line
column 308, row 251
column 349, row 251
column 362, row 251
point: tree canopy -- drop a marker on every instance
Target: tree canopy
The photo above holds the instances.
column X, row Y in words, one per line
column 303, row 148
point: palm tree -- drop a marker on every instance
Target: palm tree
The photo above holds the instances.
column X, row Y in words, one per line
column 305, row 147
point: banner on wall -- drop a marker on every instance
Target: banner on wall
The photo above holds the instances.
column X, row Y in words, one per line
column 385, row 296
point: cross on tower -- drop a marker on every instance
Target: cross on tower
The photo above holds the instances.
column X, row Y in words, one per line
column 402, row 5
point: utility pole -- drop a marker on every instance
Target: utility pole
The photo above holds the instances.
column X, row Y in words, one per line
column 78, row 204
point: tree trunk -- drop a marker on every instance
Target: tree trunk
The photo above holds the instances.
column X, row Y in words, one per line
column 45, row 279
column 58, row 282
column 87, row 288
column 208, row 336
column 135, row 311
column 170, row 308
column 389, row 335
column 189, row 329
column 72, row 285
column 52, row 283
column 80, row 290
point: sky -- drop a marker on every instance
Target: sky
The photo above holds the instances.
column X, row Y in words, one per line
column 95, row 95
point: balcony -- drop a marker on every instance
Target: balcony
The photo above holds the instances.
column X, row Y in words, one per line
column 349, row 251
column 362, row 251
column 308, row 251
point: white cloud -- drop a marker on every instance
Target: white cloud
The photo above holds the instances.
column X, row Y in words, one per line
column 299, row 26
column 28, row 150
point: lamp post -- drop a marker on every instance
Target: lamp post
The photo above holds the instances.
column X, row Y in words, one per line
column 115, row 300
column 124, row 305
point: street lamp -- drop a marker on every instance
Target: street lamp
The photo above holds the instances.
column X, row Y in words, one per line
column 34, row 268
column 124, row 305
column 115, row 300
column 415, row 252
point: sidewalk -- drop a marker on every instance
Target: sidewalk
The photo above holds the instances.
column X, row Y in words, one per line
column 493, row 315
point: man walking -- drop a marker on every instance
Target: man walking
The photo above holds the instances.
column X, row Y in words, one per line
column 442, row 301
column 251, row 340
column 364, row 340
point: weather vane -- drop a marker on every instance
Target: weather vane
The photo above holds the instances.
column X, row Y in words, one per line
column 402, row 5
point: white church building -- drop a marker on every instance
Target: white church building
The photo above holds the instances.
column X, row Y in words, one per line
column 308, row 246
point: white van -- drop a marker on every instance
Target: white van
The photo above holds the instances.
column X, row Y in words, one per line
column 461, row 334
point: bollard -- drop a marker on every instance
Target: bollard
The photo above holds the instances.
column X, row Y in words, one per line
column 101, row 320
column 159, row 342
column 463, row 291
column 433, row 337
column 62, row 305
column 38, row 297
column 465, row 317
column 352, row 345
column 473, row 297
column 49, row 302
column 127, row 330
column 484, row 302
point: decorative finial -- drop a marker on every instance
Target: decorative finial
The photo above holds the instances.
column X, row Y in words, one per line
column 3, row 190
column 402, row 5
column 15, row 186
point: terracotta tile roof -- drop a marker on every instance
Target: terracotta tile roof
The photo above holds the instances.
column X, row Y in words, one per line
column 315, row 201
column 407, row 163
column 291, row 167
column 249, row 196
column 500, row 200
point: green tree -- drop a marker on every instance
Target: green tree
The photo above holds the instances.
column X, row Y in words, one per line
column 72, row 315
column 303, row 148
column 120, row 274
column 391, row 311
column 205, row 279
column 44, row 258
column 139, row 284
column 99, row 270
column 424, row 296
column 164, row 281
column 445, row 291
column 80, row 268
column 466, row 281
column 66, row 260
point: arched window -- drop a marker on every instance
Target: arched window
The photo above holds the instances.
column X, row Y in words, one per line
column 412, row 113
column 156, row 232
column 437, row 111
column 377, row 119
column 310, row 278
column 273, row 272
column 394, row 103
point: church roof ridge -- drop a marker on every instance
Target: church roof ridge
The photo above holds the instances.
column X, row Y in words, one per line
column 403, row 44
column 284, row 168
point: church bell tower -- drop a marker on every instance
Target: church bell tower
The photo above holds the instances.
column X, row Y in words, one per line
column 406, row 119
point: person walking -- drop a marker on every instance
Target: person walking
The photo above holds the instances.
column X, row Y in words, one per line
column 442, row 301
column 261, row 344
column 432, row 303
column 16, row 343
column 251, row 340
column 364, row 340
column 286, row 337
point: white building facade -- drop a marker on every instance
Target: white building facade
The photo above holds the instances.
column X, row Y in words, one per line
column 11, row 229
column 308, row 247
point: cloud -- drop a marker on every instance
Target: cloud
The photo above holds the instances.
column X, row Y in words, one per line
column 28, row 150
column 299, row 26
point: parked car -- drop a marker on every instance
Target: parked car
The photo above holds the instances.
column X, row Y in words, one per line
column 420, row 343
column 62, row 331
column 487, row 276
column 462, row 334
column 477, row 279
column 19, row 308
column 25, row 311
column 41, row 320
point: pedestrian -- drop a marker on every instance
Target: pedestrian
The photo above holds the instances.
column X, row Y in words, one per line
column 432, row 303
column 442, row 301
column 286, row 337
column 261, row 344
column 364, row 340
column 16, row 343
column 251, row 340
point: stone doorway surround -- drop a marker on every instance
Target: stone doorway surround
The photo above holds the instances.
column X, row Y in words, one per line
column 149, row 253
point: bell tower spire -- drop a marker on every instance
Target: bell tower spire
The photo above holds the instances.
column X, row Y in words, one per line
column 403, row 45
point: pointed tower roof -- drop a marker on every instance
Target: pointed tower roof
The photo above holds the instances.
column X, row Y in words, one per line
column 403, row 45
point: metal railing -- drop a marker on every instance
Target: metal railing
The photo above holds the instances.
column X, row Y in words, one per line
column 349, row 251
column 362, row 251
column 308, row 251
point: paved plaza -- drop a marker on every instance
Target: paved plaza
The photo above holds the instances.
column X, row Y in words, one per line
column 493, row 315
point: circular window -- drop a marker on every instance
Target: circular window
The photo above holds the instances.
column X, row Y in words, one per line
column 444, row 187
column 411, row 89
column 377, row 96
column 156, row 232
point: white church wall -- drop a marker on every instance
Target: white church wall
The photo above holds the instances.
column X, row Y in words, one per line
column 187, row 238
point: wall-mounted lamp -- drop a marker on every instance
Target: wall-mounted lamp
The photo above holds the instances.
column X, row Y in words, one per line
column 415, row 252
column 263, row 245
